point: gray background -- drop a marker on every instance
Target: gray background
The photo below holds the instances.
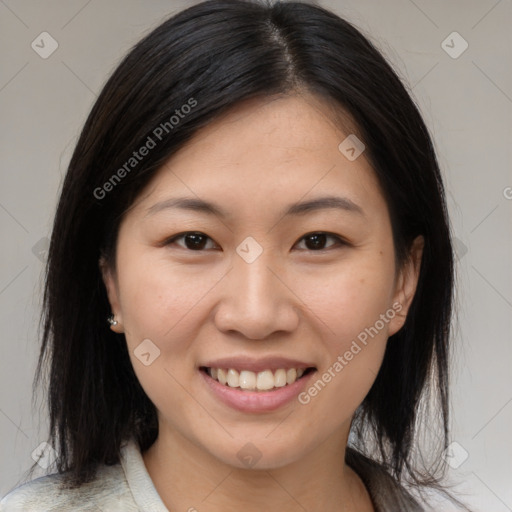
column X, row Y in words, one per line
column 466, row 101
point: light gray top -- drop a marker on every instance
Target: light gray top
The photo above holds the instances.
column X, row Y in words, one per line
column 127, row 487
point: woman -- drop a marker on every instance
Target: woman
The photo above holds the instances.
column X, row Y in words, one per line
column 255, row 206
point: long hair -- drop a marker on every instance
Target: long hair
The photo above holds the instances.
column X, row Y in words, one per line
column 210, row 57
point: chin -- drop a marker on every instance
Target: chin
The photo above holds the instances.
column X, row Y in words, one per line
column 258, row 453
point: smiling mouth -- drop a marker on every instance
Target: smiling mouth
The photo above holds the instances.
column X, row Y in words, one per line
column 266, row 380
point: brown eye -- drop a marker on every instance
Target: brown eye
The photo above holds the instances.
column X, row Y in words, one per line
column 194, row 241
column 317, row 241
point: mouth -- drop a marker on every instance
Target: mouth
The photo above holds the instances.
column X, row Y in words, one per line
column 264, row 380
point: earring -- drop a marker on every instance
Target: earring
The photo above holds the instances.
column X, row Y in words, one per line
column 111, row 320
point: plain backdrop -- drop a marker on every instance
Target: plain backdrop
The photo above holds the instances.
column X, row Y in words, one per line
column 465, row 95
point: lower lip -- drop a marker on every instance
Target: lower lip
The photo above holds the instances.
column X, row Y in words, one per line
column 256, row 401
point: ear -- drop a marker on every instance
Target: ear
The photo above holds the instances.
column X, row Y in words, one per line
column 406, row 284
column 112, row 292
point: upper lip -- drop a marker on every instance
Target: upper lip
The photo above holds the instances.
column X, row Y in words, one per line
column 257, row 365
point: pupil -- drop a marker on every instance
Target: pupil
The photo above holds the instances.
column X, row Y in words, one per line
column 318, row 240
column 197, row 243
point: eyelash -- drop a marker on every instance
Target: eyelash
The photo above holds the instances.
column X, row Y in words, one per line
column 340, row 241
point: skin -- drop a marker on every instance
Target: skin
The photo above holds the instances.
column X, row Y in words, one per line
column 293, row 300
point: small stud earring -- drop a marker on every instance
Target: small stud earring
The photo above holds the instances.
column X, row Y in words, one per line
column 111, row 320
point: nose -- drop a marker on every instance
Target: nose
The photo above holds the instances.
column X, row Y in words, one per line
column 257, row 299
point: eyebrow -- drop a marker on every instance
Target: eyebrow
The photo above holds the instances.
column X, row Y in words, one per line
column 300, row 208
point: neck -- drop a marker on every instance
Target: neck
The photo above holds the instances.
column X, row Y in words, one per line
column 188, row 478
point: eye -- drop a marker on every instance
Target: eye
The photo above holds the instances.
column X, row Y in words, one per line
column 316, row 241
column 197, row 241
column 193, row 240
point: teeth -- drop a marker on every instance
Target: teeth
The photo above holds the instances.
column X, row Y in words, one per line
column 261, row 381
column 247, row 380
column 280, row 378
column 265, row 380
column 221, row 375
column 291, row 375
column 233, row 378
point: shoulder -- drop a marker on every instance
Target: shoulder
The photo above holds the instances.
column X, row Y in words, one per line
column 386, row 493
column 107, row 491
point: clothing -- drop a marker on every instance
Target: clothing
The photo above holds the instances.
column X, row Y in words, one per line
column 127, row 487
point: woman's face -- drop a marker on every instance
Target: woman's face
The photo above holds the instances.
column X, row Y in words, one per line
column 276, row 278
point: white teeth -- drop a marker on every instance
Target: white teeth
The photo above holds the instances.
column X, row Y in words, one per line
column 280, row 378
column 221, row 375
column 261, row 381
column 233, row 378
column 291, row 375
column 265, row 380
column 247, row 380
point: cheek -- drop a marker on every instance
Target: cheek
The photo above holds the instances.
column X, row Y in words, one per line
column 156, row 295
column 167, row 304
column 354, row 306
column 353, row 346
column 350, row 300
column 163, row 304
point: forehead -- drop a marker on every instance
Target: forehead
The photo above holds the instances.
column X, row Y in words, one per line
column 285, row 127
column 268, row 152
